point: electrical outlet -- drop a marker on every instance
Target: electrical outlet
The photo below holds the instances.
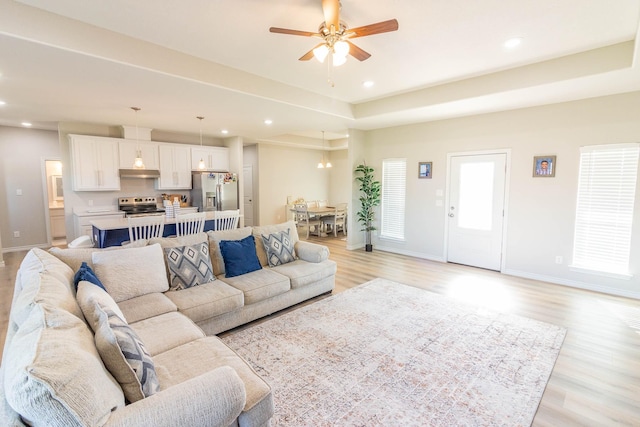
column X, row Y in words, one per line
column 559, row 259
column 16, row 234
column 18, row 191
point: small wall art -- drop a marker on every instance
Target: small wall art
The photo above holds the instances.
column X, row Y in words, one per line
column 544, row 166
column 425, row 170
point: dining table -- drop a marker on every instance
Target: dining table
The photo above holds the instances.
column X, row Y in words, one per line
column 320, row 212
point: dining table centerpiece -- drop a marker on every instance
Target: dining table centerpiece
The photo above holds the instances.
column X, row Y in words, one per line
column 369, row 199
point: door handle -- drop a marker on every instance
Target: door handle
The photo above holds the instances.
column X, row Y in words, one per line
column 451, row 215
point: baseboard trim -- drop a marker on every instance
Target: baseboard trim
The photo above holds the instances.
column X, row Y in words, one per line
column 410, row 253
column 25, row 248
column 573, row 284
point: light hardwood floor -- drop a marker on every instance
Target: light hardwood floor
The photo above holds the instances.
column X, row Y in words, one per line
column 596, row 379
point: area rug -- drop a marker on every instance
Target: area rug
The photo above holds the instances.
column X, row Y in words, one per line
column 387, row 354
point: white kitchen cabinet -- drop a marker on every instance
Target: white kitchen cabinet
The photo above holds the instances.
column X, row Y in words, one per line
column 94, row 163
column 215, row 158
column 175, row 167
column 83, row 225
column 128, row 153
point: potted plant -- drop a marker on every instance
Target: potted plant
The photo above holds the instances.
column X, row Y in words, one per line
column 369, row 198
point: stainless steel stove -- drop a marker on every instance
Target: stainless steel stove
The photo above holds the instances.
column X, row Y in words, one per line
column 139, row 206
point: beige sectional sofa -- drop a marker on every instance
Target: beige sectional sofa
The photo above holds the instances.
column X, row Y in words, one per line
column 139, row 353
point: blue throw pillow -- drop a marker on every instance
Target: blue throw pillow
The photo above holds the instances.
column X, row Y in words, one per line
column 86, row 273
column 239, row 256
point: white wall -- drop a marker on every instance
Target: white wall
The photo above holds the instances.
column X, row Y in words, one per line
column 22, row 152
column 287, row 171
column 541, row 210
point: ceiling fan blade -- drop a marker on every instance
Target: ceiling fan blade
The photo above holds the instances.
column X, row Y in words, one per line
column 357, row 53
column 368, row 30
column 307, row 56
column 331, row 10
column 293, row 32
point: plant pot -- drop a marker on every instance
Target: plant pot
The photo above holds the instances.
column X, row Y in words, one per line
column 368, row 248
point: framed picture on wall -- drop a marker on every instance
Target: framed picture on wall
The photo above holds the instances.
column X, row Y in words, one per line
column 425, row 169
column 544, row 166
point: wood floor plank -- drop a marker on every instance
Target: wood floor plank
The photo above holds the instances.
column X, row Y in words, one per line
column 596, row 380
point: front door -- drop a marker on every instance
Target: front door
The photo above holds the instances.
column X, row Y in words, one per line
column 476, row 209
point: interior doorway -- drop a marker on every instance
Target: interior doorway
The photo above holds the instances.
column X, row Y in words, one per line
column 54, row 205
column 247, row 180
column 476, row 209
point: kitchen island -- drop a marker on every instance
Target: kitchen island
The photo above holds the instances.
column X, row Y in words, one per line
column 112, row 232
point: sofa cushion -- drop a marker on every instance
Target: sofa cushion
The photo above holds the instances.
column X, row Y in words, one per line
column 86, row 273
column 278, row 248
column 239, row 256
column 42, row 278
column 271, row 229
column 53, row 372
column 207, row 354
column 146, row 306
column 120, row 348
column 302, row 273
column 164, row 332
column 214, row 245
column 189, row 266
column 131, row 272
column 74, row 257
column 260, row 285
column 207, row 301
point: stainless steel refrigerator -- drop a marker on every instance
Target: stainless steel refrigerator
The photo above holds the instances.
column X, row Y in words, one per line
column 214, row 191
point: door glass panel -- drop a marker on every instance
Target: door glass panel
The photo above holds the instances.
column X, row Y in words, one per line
column 476, row 196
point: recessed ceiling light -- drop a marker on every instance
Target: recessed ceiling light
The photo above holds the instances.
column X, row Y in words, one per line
column 224, row 131
column 268, row 122
column 513, row 42
column 26, row 124
column 3, row 103
column 367, row 83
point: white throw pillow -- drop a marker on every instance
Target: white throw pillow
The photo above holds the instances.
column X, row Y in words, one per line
column 130, row 273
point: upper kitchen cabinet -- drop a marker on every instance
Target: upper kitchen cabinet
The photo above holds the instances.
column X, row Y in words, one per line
column 94, row 163
column 215, row 158
column 148, row 150
column 175, row 167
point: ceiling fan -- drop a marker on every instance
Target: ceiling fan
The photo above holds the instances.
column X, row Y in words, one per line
column 335, row 35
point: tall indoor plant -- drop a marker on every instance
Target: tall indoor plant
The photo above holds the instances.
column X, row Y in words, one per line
column 369, row 198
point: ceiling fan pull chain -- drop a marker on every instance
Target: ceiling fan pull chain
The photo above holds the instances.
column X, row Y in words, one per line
column 330, row 71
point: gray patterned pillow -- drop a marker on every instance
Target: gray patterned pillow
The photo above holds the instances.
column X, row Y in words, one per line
column 279, row 248
column 136, row 356
column 189, row 266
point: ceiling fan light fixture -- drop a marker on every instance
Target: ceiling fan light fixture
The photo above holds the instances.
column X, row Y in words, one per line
column 341, row 48
column 338, row 60
column 321, row 52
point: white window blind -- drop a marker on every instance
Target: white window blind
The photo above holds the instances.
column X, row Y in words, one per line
column 394, row 179
column 604, row 211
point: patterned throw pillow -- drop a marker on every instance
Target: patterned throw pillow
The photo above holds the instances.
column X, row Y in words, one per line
column 120, row 348
column 135, row 356
column 279, row 248
column 189, row 266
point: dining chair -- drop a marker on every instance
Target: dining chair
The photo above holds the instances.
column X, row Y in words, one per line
column 304, row 220
column 322, row 203
column 337, row 220
column 226, row 220
column 312, row 204
column 145, row 227
column 192, row 223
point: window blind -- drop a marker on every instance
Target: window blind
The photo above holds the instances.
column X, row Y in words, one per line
column 394, row 179
column 604, row 211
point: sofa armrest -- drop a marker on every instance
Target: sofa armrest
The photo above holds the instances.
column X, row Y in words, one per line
column 311, row 252
column 215, row 398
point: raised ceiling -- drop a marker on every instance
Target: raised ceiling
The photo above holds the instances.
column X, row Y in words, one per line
column 79, row 61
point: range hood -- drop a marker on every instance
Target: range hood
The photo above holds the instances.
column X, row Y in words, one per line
column 139, row 173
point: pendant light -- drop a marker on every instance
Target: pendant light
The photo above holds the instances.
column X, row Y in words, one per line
column 201, row 164
column 322, row 164
column 137, row 162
